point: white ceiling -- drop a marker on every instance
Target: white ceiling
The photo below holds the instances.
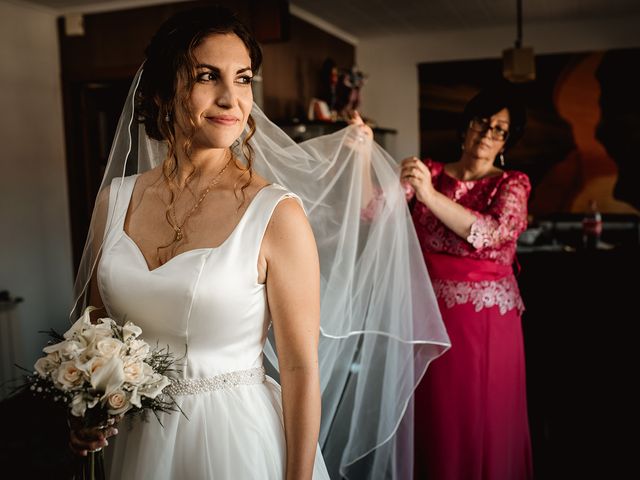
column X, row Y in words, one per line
column 364, row 18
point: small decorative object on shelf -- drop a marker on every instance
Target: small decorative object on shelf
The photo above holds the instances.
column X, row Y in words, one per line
column 591, row 227
column 338, row 94
column 6, row 298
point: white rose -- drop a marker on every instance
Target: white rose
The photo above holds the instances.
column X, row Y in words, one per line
column 134, row 372
column 108, row 347
column 130, row 330
column 68, row 376
column 45, row 365
column 117, row 402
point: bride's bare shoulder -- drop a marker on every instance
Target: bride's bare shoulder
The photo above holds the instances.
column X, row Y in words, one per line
column 257, row 183
column 150, row 177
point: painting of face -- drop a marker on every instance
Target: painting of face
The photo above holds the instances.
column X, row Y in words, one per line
column 581, row 136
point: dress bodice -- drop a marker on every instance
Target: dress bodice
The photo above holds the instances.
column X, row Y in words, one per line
column 499, row 204
column 205, row 303
column 476, row 269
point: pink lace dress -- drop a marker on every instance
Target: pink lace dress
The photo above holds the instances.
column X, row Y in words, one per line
column 471, row 408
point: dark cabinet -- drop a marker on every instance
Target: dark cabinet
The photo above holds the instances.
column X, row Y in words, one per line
column 581, row 328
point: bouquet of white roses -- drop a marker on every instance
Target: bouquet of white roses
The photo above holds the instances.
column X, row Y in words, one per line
column 103, row 370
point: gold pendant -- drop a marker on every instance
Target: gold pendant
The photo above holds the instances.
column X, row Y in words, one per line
column 178, row 234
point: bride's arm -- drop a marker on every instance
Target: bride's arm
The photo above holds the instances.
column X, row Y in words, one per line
column 81, row 439
column 293, row 294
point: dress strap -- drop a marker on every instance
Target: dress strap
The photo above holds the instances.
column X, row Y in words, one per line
column 120, row 193
column 253, row 225
column 273, row 195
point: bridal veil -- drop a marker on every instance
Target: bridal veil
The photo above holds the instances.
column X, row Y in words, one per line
column 380, row 323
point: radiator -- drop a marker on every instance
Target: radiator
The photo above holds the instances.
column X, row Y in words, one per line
column 10, row 342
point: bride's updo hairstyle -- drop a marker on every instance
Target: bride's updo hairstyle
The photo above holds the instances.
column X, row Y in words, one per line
column 169, row 74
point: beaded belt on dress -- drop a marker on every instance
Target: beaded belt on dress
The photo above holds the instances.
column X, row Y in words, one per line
column 193, row 386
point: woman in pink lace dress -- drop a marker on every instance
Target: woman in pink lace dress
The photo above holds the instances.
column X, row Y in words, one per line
column 471, row 408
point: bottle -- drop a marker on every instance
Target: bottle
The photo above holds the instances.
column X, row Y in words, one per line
column 591, row 227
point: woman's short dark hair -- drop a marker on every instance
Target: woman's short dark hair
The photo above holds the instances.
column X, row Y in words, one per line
column 490, row 101
column 170, row 54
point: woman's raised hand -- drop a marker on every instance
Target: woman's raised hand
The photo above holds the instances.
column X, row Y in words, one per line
column 414, row 173
column 361, row 134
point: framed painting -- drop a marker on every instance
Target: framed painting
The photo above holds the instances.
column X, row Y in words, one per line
column 582, row 137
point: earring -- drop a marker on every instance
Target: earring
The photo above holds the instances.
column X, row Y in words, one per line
column 167, row 118
column 501, row 159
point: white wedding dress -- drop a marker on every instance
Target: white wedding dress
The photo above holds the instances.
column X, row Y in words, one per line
column 208, row 302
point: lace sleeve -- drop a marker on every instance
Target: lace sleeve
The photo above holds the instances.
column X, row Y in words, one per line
column 506, row 216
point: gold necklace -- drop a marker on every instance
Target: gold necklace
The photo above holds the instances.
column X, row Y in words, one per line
column 178, row 229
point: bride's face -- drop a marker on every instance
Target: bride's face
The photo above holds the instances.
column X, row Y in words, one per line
column 221, row 99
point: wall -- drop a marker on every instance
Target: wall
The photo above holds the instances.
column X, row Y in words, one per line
column 35, row 254
column 390, row 95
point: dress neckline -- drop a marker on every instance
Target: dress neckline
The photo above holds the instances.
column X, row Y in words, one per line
column 193, row 250
column 499, row 175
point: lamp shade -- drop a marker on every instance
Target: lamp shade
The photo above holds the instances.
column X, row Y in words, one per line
column 518, row 64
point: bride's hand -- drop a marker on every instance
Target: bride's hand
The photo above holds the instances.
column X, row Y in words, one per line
column 82, row 439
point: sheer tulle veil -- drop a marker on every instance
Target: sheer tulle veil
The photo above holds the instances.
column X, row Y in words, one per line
column 380, row 324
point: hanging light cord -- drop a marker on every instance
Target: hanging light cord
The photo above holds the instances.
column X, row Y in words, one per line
column 519, row 14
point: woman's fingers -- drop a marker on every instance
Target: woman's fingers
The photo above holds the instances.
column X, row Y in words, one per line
column 412, row 180
column 410, row 161
column 82, row 444
column 356, row 119
column 86, row 439
column 363, row 128
column 411, row 171
column 366, row 130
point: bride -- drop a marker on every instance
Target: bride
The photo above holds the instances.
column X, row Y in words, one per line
column 206, row 247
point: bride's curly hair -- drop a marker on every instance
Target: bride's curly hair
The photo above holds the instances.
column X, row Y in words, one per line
column 169, row 74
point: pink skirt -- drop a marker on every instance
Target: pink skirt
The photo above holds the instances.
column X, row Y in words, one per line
column 471, row 406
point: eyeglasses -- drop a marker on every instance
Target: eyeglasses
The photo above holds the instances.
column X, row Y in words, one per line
column 483, row 124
